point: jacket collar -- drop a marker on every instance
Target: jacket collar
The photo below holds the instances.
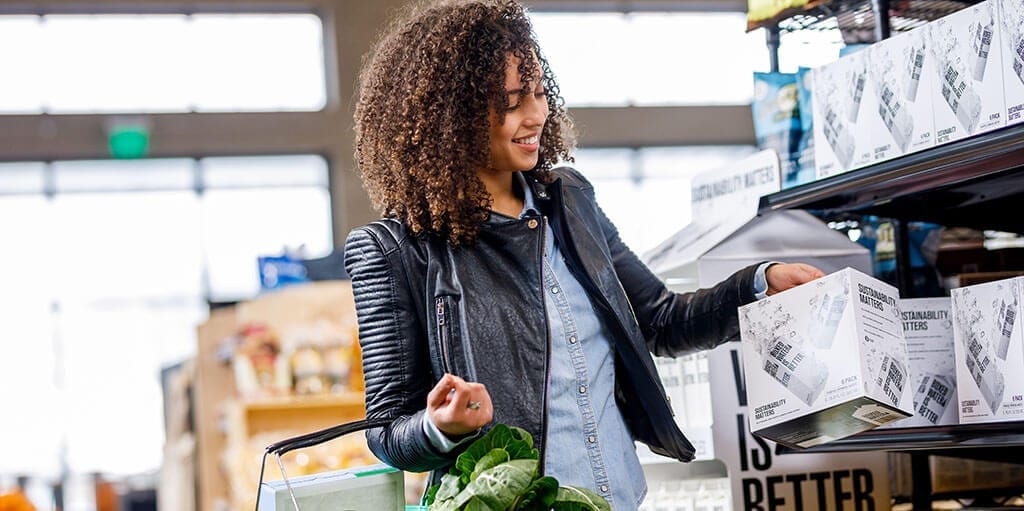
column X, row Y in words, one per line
column 536, row 196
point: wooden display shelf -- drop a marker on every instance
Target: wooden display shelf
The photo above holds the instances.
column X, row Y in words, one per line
column 294, row 413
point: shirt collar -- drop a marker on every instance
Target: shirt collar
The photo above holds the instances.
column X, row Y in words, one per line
column 529, row 204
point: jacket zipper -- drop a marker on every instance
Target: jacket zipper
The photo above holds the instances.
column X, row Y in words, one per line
column 442, row 333
column 547, row 344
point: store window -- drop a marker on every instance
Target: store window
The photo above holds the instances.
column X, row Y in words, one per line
column 802, row 48
column 648, row 58
column 107, row 262
column 646, row 192
column 162, row 63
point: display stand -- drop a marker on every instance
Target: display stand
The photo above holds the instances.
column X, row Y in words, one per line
column 977, row 182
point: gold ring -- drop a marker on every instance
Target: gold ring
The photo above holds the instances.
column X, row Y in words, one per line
column 473, row 405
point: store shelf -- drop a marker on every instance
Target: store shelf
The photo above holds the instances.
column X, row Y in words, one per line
column 857, row 16
column 298, row 413
column 353, row 399
column 975, row 182
column 994, row 442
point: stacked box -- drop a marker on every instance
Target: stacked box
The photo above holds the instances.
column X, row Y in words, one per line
column 968, row 78
column 928, row 330
column 838, row 93
column 989, row 355
column 1011, row 28
column 899, row 110
column 825, row 360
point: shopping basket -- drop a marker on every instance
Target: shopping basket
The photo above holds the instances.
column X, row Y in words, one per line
column 374, row 488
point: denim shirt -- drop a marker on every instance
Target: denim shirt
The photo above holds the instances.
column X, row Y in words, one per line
column 588, row 443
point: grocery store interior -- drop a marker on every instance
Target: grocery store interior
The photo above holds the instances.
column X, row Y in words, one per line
column 177, row 182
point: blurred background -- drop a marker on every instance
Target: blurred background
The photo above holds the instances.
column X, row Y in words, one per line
column 153, row 151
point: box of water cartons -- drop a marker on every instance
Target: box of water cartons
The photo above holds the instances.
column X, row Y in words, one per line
column 898, row 107
column 836, row 103
column 825, row 360
column 928, row 329
column 989, row 354
column 968, row 73
column 1010, row 14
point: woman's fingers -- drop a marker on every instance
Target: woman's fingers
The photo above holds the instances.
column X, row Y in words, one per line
column 458, row 407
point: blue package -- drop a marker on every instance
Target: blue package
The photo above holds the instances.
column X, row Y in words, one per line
column 776, row 111
column 280, row 271
column 804, row 161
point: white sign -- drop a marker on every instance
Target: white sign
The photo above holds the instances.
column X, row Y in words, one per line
column 722, row 201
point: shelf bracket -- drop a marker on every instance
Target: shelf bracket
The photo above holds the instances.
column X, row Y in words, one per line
column 921, row 474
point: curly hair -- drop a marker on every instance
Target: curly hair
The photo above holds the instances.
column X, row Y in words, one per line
column 421, row 120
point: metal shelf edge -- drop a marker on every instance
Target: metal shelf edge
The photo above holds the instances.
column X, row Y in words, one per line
column 947, row 165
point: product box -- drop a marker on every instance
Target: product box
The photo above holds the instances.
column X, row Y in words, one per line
column 1011, row 28
column 968, row 78
column 838, row 93
column 373, row 488
column 825, row 360
column 928, row 330
column 989, row 351
column 898, row 112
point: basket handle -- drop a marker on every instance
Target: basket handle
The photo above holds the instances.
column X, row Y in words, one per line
column 309, row 440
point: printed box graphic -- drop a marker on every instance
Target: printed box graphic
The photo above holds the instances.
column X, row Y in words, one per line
column 989, row 355
column 825, row 360
column 836, row 103
column 901, row 111
column 968, row 79
column 1010, row 14
column 928, row 329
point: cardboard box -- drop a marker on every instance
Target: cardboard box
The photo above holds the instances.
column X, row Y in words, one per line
column 968, row 78
column 928, row 330
column 899, row 118
column 989, row 354
column 825, row 360
column 1011, row 28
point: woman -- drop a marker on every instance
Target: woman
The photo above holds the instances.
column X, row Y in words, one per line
column 496, row 289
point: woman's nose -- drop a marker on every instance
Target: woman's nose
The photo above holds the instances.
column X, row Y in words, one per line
column 537, row 109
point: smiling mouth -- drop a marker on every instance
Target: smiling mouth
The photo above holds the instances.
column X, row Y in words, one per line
column 527, row 140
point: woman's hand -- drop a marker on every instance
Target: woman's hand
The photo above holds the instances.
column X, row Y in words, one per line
column 781, row 276
column 458, row 407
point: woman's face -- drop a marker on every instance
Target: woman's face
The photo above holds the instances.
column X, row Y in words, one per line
column 515, row 143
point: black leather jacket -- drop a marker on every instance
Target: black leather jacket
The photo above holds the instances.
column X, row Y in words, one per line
column 426, row 308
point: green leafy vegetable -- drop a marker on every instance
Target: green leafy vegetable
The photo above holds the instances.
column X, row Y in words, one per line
column 498, row 487
column 574, row 498
column 490, row 460
column 447, row 490
column 498, row 472
column 514, row 441
column 539, row 496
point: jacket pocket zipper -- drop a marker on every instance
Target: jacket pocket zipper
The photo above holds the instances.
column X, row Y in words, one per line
column 443, row 335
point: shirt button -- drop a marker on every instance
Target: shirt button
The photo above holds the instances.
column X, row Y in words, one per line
column 583, row 389
column 604, row 488
column 532, row 223
column 591, row 438
column 572, row 339
column 554, row 290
